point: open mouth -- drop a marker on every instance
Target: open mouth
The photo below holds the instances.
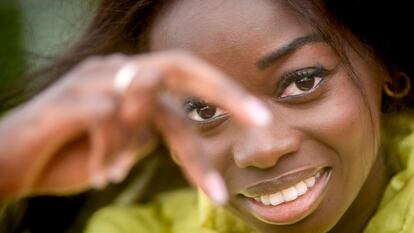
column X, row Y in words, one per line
column 290, row 204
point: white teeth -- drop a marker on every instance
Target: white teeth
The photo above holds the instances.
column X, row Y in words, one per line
column 301, row 188
column 310, row 182
column 276, row 199
column 265, row 199
column 289, row 194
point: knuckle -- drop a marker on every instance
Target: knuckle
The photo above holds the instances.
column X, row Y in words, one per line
column 116, row 58
column 182, row 53
column 92, row 61
column 149, row 79
column 95, row 66
column 97, row 62
column 88, row 64
column 179, row 56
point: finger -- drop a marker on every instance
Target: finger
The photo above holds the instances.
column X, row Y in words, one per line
column 139, row 99
column 121, row 166
column 96, row 168
column 115, row 148
column 183, row 142
column 63, row 123
column 140, row 145
column 112, row 136
column 184, row 73
column 135, row 102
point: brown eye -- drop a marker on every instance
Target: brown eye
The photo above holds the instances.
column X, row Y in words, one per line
column 301, row 82
column 201, row 111
column 206, row 112
column 305, row 84
column 301, row 86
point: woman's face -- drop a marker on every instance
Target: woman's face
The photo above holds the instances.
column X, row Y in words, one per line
column 301, row 173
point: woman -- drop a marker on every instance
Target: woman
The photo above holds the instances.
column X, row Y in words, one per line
column 294, row 144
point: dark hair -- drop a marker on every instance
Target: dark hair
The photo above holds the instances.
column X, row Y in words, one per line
column 117, row 27
column 383, row 26
column 122, row 26
column 362, row 25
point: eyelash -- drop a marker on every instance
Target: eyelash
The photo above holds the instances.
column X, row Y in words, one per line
column 292, row 78
column 193, row 105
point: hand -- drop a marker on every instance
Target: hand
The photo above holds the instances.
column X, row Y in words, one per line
column 87, row 129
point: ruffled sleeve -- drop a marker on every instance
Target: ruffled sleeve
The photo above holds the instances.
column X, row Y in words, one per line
column 178, row 211
column 395, row 213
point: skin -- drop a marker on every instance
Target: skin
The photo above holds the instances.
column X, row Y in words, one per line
column 81, row 133
column 331, row 126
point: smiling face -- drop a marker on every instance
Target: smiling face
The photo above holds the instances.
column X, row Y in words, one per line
column 305, row 171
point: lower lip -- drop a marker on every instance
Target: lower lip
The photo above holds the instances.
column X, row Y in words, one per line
column 293, row 211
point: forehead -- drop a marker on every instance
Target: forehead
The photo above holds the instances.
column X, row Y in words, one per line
column 219, row 26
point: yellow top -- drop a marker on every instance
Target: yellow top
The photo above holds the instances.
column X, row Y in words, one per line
column 185, row 210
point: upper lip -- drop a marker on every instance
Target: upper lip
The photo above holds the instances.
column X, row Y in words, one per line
column 279, row 183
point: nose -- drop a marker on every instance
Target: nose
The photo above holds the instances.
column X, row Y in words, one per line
column 262, row 148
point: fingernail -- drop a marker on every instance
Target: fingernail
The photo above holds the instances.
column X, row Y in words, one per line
column 216, row 188
column 120, row 169
column 116, row 174
column 98, row 181
column 258, row 112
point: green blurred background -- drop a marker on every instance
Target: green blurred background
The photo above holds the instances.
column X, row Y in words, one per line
column 11, row 41
column 33, row 32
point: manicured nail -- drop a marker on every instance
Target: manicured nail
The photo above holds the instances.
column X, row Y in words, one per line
column 259, row 114
column 120, row 169
column 98, row 181
column 116, row 174
column 216, row 188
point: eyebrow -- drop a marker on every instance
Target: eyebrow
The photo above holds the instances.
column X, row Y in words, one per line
column 297, row 43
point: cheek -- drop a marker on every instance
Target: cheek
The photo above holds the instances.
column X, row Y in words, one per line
column 343, row 122
column 217, row 148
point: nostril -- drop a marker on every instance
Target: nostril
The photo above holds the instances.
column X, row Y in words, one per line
column 258, row 157
column 263, row 149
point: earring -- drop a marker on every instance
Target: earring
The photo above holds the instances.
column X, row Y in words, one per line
column 393, row 88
